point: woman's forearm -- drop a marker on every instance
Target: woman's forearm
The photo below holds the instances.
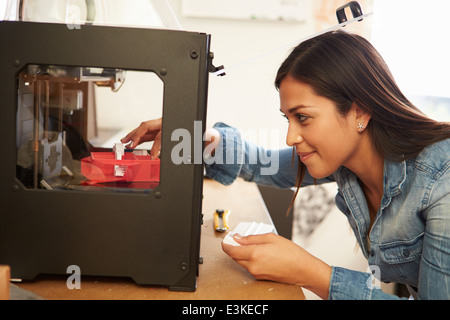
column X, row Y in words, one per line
column 316, row 277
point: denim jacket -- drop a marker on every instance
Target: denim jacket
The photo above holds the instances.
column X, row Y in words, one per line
column 409, row 242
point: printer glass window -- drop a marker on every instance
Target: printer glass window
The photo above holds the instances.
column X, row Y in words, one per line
column 69, row 124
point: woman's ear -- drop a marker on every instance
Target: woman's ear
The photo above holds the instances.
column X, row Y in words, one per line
column 361, row 117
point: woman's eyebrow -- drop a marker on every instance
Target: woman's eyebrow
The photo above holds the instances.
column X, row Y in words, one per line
column 294, row 109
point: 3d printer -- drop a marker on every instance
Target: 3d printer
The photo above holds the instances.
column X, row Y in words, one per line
column 69, row 198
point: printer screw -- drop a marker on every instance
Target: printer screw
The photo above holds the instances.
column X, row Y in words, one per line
column 158, row 195
column 184, row 266
column 16, row 63
column 200, row 260
column 194, row 54
column 163, row 71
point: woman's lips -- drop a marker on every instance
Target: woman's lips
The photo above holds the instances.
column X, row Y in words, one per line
column 305, row 156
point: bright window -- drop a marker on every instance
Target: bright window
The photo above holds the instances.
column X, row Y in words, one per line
column 412, row 36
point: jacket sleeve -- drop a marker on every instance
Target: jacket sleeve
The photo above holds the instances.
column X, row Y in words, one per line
column 434, row 274
column 434, row 268
column 355, row 285
column 236, row 158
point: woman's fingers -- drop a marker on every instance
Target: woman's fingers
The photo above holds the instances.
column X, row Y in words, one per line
column 156, row 148
column 247, row 248
column 147, row 131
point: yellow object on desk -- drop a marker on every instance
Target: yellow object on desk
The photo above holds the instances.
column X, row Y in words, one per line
column 221, row 220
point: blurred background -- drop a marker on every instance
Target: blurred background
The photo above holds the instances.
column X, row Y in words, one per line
column 251, row 38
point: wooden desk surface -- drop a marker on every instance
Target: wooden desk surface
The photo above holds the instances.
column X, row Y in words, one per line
column 4, row 283
column 220, row 278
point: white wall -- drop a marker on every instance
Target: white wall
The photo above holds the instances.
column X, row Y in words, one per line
column 252, row 52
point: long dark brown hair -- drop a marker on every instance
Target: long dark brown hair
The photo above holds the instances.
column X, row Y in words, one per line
column 347, row 69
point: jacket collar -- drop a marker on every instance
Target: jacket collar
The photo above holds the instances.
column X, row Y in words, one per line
column 394, row 177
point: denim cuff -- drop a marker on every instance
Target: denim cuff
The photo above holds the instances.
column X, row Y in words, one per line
column 349, row 285
column 354, row 285
column 225, row 166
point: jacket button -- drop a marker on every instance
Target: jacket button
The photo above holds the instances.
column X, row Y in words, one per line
column 406, row 253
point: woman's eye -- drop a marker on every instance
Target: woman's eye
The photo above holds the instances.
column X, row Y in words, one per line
column 301, row 117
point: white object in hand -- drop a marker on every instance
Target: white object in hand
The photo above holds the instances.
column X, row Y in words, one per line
column 245, row 229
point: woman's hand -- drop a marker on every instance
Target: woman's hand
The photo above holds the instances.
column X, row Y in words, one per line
column 147, row 131
column 151, row 131
column 274, row 258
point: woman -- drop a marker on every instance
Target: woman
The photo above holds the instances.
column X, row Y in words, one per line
column 350, row 123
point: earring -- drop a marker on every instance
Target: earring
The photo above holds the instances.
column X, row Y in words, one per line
column 361, row 126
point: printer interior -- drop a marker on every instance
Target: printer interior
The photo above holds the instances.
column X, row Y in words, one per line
column 65, row 130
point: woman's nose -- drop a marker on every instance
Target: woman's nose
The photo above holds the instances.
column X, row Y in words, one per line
column 294, row 136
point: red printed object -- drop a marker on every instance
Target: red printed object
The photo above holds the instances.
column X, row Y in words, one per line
column 103, row 167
